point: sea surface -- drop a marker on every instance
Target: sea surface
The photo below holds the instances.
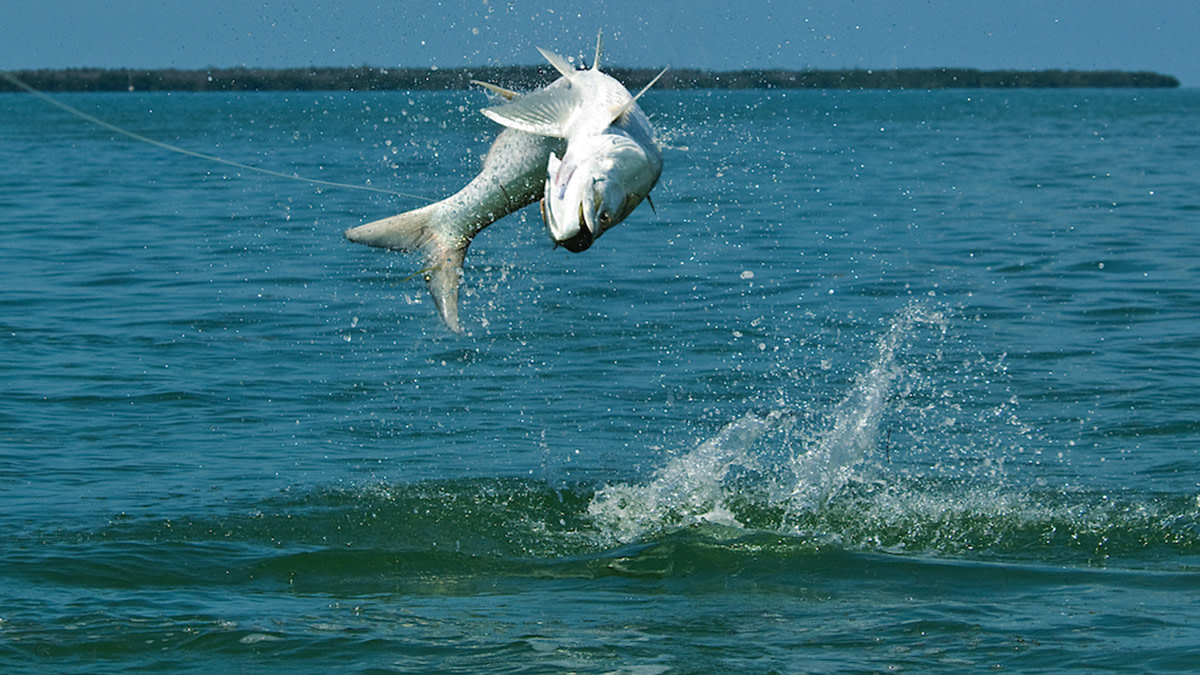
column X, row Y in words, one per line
column 887, row 381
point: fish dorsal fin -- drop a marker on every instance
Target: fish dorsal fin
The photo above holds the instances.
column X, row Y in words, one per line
column 560, row 64
column 599, row 42
column 547, row 112
column 625, row 107
column 497, row 89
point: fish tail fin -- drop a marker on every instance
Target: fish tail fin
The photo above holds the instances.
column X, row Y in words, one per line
column 413, row 232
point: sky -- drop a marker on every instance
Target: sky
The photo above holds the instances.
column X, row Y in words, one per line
column 1155, row 35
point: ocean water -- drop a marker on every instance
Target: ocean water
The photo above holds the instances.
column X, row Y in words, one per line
column 890, row 381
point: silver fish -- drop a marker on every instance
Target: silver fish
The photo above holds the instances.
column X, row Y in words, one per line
column 587, row 108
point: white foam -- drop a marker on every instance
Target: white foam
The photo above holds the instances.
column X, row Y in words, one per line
column 695, row 487
column 688, row 489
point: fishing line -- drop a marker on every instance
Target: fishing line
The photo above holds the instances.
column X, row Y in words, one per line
column 192, row 153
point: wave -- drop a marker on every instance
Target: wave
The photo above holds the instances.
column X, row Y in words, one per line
column 781, row 487
column 472, row 535
column 824, row 481
column 812, row 467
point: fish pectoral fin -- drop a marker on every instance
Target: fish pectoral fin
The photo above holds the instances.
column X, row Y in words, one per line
column 546, row 112
column 625, row 107
column 497, row 89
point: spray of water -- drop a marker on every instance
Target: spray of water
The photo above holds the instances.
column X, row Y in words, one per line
column 852, row 428
column 698, row 487
column 689, row 489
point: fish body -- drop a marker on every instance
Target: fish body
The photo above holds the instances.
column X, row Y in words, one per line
column 512, row 177
column 609, row 162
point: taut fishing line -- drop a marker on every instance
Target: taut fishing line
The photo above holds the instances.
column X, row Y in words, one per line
column 9, row 77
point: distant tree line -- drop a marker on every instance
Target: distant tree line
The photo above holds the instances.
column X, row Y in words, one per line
column 913, row 78
column 367, row 78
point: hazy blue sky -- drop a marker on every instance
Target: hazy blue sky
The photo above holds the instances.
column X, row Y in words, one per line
column 1158, row 35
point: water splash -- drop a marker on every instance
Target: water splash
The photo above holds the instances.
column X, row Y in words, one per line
column 853, row 426
column 701, row 486
column 689, row 489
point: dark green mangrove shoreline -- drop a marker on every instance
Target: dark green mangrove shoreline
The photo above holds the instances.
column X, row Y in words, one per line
column 366, row 78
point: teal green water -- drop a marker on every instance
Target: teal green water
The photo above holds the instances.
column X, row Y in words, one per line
column 890, row 381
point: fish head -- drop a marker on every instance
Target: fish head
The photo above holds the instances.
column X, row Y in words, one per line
column 596, row 185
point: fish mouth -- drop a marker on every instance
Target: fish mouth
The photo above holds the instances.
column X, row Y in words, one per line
column 580, row 242
column 582, row 239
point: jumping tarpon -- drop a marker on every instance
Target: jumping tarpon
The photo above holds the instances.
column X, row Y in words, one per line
column 609, row 162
